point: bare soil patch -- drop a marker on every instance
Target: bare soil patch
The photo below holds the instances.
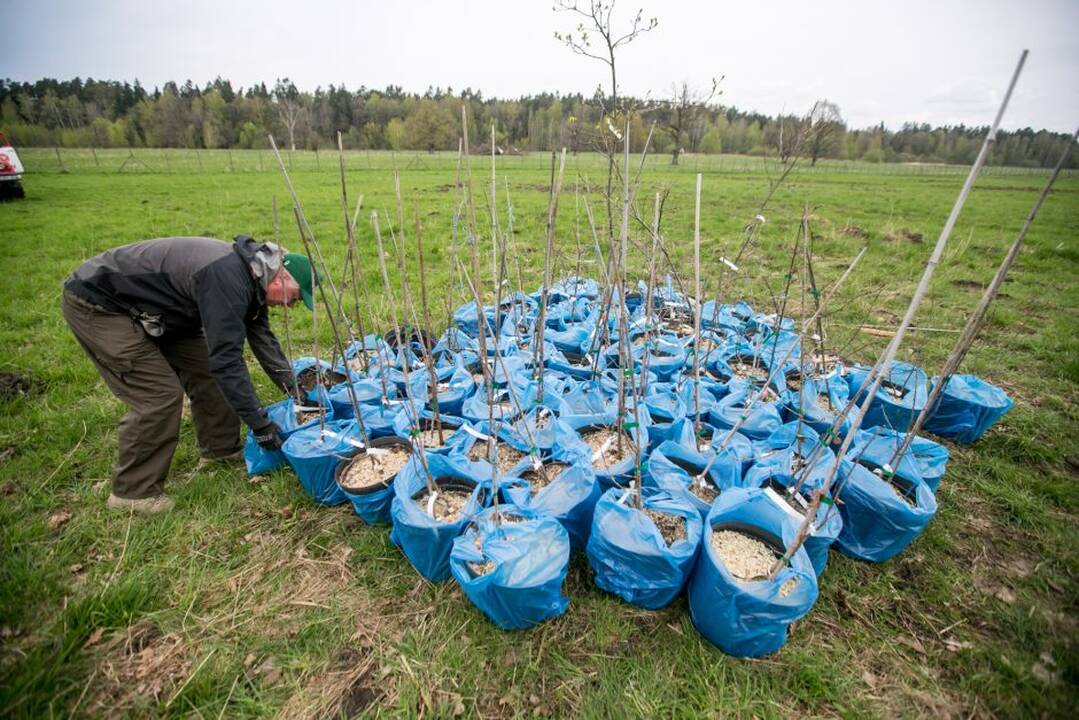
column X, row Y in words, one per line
column 138, row 668
column 905, row 235
column 13, row 385
column 970, row 284
column 344, row 688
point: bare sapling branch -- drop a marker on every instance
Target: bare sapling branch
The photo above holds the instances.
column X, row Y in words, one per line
column 880, row 370
column 977, row 318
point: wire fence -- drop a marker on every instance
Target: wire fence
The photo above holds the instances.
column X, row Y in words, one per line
column 187, row 161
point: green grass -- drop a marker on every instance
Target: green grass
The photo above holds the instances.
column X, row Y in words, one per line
column 250, row 601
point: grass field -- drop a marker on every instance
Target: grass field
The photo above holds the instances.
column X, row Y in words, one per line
column 250, row 601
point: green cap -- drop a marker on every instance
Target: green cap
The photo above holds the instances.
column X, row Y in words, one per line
column 299, row 267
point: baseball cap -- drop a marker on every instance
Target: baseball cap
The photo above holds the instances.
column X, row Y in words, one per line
column 299, row 267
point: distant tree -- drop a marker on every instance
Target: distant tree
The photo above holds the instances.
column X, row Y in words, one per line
column 712, row 142
column 826, row 130
column 430, row 127
column 290, row 107
column 373, row 136
column 681, row 111
column 395, row 134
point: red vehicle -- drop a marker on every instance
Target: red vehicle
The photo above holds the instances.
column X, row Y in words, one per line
column 10, row 170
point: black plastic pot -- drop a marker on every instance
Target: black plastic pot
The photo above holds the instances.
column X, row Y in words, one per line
column 382, row 442
column 411, row 335
column 783, row 491
column 902, row 485
column 455, row 483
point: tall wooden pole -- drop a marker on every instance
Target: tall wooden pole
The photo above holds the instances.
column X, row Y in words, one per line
column 977, row 318
column 880, row 370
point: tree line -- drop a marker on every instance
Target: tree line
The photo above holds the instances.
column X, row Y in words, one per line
column 107, row 113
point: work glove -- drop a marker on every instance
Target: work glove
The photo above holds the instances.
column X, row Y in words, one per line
column 269, row 437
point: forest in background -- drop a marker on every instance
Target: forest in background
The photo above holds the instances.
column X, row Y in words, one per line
column 108, row 113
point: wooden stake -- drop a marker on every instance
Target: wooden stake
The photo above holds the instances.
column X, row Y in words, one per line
column 977, row 318
column 877, row 374
column 418, row 447
column 697, row 311
column 541, row 317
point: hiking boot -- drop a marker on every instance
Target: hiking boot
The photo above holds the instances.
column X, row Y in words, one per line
column 143, row 506
column 236, row 458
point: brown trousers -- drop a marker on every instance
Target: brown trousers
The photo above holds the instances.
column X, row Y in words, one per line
column 150, row 376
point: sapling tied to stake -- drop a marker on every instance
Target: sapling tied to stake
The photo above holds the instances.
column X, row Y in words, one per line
column 541, row 318
column 880, row 369
column 755, row 397
column 296, row 407
column 310, row 244
column 418, row 447
column 351, row 257
column 977, row 318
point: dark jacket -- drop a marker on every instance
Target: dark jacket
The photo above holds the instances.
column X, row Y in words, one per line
column 195, row 285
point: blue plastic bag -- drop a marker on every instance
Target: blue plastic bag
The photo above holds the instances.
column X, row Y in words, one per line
column 530, row 560
column 675, row 467
column 379, row 419
column 630, row 557
column 372, row 505
column 455, row 384
column 506, row 407
column 966, row 408
column 664, row 404
column 877, row 524
column 761, row 420
column 739, row 448
column 774, row 470
column 898, row 400
column 314, row 452
column 283, row 413
column 924, row 460
column 425, row 541
column 819, row 403
column 748, row 618
column 570, row 496
column 365, row 390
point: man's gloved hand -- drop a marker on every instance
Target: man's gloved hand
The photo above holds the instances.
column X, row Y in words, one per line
column 269, row 437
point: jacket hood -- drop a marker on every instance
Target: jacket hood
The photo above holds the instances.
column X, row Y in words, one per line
column 263, row 259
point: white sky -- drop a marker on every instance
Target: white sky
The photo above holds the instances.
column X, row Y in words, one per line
column 941, row 62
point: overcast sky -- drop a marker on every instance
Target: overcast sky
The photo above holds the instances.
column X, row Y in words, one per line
column 935, row 61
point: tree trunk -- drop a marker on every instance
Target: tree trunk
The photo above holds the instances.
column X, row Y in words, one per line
column 674, row 155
